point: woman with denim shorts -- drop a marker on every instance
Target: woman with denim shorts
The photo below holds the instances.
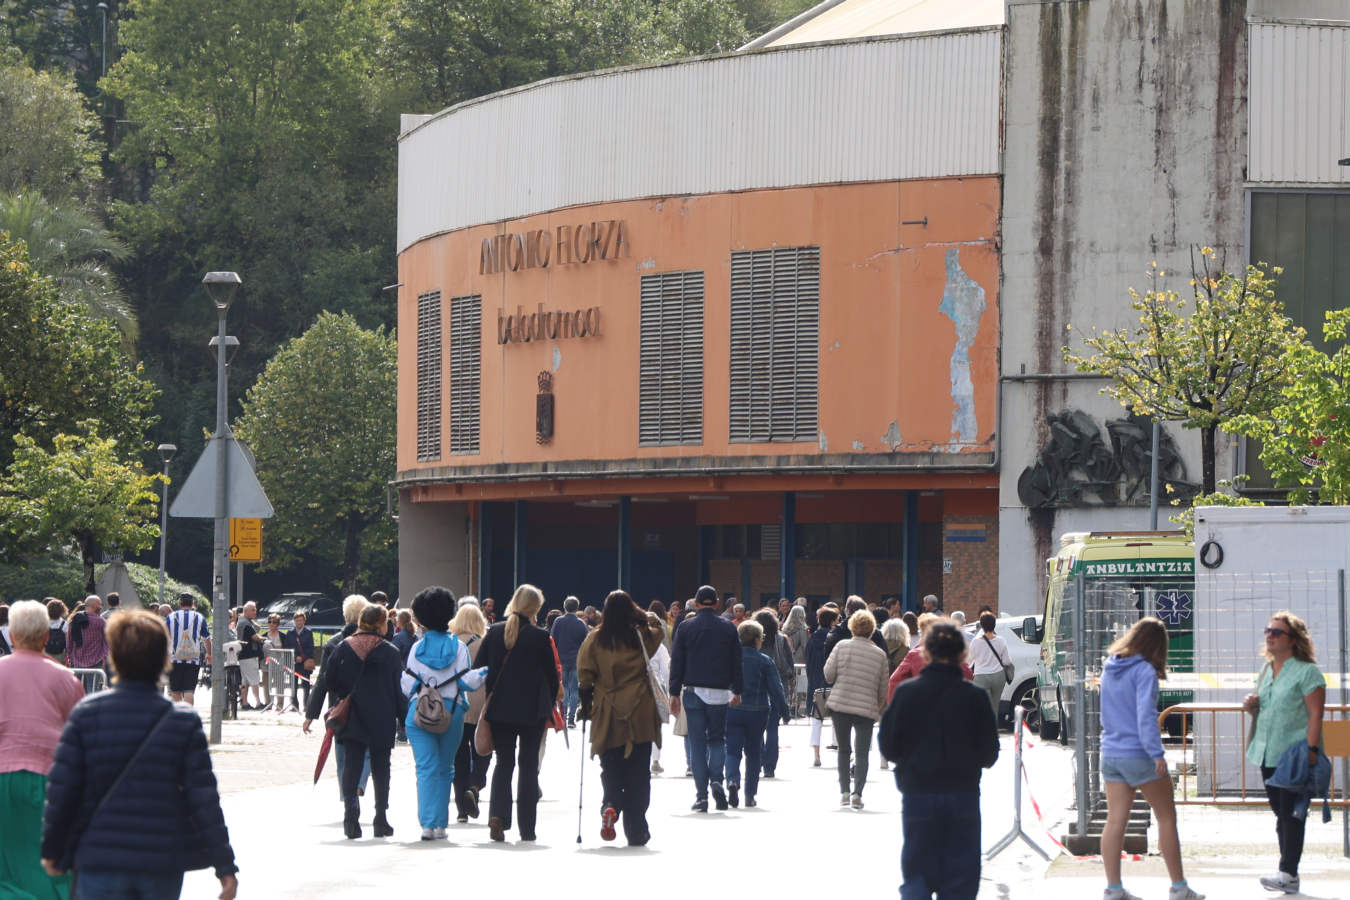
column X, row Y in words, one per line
column 1132, row 753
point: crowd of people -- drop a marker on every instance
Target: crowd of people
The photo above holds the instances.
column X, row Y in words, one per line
column 472, row 694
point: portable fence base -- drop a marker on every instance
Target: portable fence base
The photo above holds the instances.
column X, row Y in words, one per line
column 1011, row 837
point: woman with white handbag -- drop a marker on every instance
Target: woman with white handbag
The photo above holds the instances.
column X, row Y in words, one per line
column 624, row 704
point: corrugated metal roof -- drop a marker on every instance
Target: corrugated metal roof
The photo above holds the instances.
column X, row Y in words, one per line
column 866, row 18
column 1298, row 103
column 872, row 110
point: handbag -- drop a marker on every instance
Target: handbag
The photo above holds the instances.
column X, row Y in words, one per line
column 660, row 693
column 483, row 744
column 820, row 702
column 1009, row 673
column 339, row 713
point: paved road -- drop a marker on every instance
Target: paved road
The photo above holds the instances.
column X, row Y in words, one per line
column 798, row 843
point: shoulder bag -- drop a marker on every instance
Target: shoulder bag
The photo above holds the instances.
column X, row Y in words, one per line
column 338, row 714
column 660, row 693
column 1009, row 673
column 483, row 744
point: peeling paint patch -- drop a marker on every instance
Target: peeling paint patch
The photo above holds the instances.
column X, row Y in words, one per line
column 857, row 445
column 824, row 443
column 557, row 357
column 963, row 303
column 892, row 437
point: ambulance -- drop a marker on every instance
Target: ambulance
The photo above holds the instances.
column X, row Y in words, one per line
column 1125, row 575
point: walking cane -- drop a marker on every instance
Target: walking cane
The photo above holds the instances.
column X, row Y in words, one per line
column 581, row 782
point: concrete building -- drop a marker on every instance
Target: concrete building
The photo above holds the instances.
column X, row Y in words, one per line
column 789, row 321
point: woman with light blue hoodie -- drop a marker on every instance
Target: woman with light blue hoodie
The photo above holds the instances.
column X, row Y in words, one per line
column 441, row 660
column 1132, row 753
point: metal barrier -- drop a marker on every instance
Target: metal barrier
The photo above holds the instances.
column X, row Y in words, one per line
column 280, row 675
column 1017, row 831
column 1212, row 743
column 92, row 680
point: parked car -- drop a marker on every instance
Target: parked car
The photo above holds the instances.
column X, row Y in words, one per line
column 1024, row 656
column 323, row 613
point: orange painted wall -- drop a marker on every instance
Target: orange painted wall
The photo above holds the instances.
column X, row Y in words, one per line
column 885, row 346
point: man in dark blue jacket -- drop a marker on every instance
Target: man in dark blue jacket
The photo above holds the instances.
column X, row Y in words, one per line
column 568, row 633
column 706, row 663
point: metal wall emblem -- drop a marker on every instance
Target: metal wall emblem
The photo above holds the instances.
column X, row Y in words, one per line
column 543, row 410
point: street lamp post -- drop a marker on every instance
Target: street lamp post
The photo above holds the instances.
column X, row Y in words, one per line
column 103, row 43
column 166, row 452
column 220, row 287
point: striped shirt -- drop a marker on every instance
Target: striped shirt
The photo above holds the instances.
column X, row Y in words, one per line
column 195, row 625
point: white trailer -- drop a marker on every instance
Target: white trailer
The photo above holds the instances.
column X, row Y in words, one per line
column 1250, row 563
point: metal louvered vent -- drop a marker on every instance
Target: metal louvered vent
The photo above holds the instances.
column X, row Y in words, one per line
column 775, row 344
column 770, row 541
column 429, row 376
column 670, row 368
column 466, row 371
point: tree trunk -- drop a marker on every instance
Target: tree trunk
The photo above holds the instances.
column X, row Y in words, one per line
column 1207, row 482
column 87, row 557
column 351, row 557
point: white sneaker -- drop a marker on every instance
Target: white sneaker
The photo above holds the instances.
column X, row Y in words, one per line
column 843, row 799
column 1118, row 894
column 1280, row 881
column 1184, row 892
column 656, row 768
column 438, row 833
column 428, row 834
column 856, row 801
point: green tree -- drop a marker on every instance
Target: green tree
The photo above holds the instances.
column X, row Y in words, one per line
column 68, row 245
column 320, row 421
column 1225, row 356
column 59, row 367
column 1305, row 435
column 47, row 144
column 81, row 490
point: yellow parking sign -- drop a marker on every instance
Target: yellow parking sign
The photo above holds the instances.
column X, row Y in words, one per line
column 246, row 540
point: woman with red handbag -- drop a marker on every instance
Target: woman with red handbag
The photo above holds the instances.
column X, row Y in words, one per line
column 522, row 685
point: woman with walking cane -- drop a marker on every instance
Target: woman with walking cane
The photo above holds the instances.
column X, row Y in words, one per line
column 617, row 699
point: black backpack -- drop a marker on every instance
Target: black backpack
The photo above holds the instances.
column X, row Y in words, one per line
column 56, row 642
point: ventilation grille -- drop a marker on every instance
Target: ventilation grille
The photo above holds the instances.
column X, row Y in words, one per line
column 775, row 344
column 770, row 541
column 670, row 369
column 466, row 372
column 429, row 376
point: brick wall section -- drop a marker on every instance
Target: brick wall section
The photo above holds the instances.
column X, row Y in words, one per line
column 973, row 581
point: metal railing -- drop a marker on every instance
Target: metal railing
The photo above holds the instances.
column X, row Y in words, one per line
column 1203, row 734
column 280, row 677
column 92, row 680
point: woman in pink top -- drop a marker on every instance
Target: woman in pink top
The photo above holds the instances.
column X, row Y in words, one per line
column 915, row 661
column 36, row 696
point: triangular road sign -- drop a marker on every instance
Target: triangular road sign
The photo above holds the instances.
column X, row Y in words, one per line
column 244, row 497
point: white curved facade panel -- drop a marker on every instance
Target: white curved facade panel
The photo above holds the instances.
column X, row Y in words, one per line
column 875, row 110
column 1299, row 103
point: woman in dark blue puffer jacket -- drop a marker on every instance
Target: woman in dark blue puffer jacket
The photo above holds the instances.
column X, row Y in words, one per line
column 163, row 816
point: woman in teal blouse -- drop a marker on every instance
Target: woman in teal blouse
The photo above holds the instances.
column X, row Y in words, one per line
column 1290, row 695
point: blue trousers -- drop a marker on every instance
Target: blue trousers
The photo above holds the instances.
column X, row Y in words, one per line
column 365, row 769
column 745, row 732
column 97, row 884
column 770, row 754
column 941, row 853
column 707, row 739
column 571, row 691
column 434, row 756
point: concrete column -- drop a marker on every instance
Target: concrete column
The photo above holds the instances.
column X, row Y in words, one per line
column 787, row 548
column 431, row 546
column 625, row 543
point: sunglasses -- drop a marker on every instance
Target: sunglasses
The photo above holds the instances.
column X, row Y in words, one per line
column 1276, row 632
